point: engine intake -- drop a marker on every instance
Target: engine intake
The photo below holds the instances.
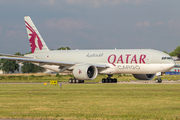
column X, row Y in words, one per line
column 85, row 72
column 144, row 76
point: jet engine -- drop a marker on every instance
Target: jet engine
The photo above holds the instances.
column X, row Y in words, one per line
column 85, row 72
column 144, row 76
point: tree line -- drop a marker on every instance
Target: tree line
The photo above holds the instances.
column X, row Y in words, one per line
column 176, row 52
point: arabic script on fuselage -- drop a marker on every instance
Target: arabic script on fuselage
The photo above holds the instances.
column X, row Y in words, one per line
column 94, row 55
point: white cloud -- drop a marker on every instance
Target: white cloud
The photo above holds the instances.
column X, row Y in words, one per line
column 174, row 24
column 67, row 23
column 143, row 24
column 15, row 33
column 171, row 21
column 50, row 2
column 93, row 3
column 159, row 23
column 137, row 1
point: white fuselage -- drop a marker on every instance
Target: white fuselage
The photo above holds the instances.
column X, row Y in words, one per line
column 125, row 61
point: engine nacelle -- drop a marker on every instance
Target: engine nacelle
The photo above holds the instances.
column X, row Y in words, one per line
column 144, row 76
column 85, row 72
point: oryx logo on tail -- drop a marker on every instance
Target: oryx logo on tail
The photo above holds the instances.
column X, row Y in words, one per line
column 33, row 38
column 37, row 43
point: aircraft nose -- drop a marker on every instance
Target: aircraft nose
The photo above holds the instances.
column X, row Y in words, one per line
column 169, row 66
column 173, row 63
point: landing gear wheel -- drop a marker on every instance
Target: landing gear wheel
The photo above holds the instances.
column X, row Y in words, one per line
column 70, row 80
column 115, row 80
column 158, row 81
column 109, row 79
column 74, row 80
column 81, row 81
column 103, row 80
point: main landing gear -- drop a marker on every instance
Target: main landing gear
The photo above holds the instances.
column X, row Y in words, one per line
column 75, row 81
column 158, row 80
column 109, row 79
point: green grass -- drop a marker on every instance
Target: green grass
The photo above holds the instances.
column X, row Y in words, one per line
column 90, row 101
column 33, row 78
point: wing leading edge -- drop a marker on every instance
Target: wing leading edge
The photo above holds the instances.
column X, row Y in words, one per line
column 48, row 62
column 10, row 55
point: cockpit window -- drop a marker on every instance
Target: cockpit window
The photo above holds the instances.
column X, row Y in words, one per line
column 166, row 58
column 169, row 57
column 163, row 58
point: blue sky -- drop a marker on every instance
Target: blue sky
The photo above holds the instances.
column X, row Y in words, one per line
column 91, row 24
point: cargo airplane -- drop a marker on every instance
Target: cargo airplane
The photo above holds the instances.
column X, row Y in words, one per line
column 143, row 64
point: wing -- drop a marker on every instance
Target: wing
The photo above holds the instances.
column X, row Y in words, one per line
column 2, row 54
column 49, row 62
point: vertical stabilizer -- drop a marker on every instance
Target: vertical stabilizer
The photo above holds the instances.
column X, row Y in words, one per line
column 37, row 43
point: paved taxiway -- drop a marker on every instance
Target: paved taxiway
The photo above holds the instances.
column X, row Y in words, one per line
column 131, row 82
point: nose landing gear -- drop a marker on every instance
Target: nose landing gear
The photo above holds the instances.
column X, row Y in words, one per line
column 159, row 80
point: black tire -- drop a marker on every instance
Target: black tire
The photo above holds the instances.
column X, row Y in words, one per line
column 159, row 81
column 70, row 80
column 115, row 80
column 103, row 80
column 74, row 81
column 156, row 80
column 107, row 80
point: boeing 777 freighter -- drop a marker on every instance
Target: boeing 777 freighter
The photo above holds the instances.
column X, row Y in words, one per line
column 87, row 64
